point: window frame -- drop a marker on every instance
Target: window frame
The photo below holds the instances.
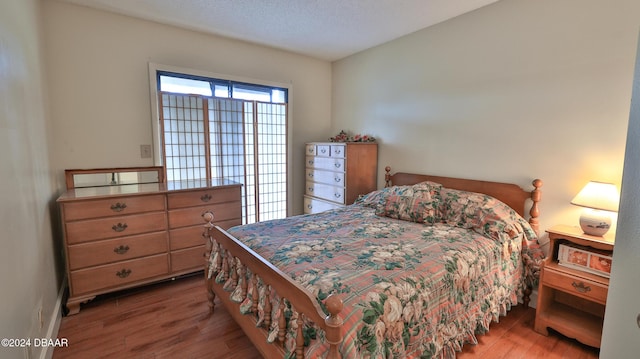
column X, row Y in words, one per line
column 155, row 68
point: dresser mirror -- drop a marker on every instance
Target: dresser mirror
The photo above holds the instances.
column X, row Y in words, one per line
column 117, row 176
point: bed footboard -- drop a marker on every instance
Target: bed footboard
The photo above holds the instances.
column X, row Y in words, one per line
column 231, row 266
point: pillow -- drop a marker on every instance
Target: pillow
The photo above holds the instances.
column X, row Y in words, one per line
column 375, row 199
column 484, row 214
column 415, row 209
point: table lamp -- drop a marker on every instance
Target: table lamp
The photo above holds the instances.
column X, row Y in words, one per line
column 599, row 199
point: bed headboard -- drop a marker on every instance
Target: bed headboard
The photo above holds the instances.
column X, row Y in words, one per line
column 511, row 194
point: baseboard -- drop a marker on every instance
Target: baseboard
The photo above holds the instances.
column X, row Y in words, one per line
column 54, row 322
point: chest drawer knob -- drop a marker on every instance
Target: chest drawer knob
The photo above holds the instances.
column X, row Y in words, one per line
column 121, row 250
column 580, row 287
column 124, row 273
column 119, row 227
column 206, row 198
column 118, row 207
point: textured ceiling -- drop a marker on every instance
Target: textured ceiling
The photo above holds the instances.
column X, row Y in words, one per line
column 324, row 29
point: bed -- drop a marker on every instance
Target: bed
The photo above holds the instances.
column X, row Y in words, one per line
column 414, row 270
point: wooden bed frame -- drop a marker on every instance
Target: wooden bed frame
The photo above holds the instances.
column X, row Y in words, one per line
column 298, row 296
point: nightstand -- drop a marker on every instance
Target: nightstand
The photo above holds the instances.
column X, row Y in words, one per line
column 572, row 301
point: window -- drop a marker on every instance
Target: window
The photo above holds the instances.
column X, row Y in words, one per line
column 213, row 128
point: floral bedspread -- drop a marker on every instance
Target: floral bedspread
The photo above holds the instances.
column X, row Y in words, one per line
column 411, row 289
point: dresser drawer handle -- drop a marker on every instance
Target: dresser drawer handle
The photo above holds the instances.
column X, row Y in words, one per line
column 124, row 273
column 338, row 165
column 337, row 179
column 121, row 250
column 580, row 287
column 310, row 162
column 118, row 207
column 206, row 198
column 337, row 195
column 309, row 206
column 324, row 150
column 338, row 152
column 119, row 227
column 311, row 174
column 310, row 189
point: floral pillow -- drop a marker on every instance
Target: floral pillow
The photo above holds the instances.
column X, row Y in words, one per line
column 484, row 214
column 410, row 208
column 375, row 199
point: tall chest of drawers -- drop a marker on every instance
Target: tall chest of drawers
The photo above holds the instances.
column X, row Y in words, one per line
column 337, row 173
column 117, row 237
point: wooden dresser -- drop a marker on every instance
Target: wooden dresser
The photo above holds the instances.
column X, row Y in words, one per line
column 122, row 236
column 337, row 173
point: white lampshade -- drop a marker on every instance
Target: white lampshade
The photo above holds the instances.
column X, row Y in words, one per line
column 598, row 198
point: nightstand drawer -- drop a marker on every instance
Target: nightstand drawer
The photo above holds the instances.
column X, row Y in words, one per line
column 574, row 285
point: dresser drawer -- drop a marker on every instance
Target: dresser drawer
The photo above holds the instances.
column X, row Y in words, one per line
column 325, row 191
column 203, row 197
column 117, row 274
column 314, row 205
column 193, row 216
column 328, row 177
column 93, row 229
column 325, row 163
column 186, row 237
column 190, row 258
column 114, row 250
column 579, row 287
column 116, row 206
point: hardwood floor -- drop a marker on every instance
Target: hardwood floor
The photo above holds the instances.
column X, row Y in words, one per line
column 171, row 320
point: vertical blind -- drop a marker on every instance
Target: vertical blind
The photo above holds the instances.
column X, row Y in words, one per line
column 243, row 141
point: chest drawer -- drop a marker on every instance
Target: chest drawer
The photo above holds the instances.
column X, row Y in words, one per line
column 193, row 216
column 325, row 191
column 115, row 250
column 576, row 286
column 94, row 229
column 328, row 177
column 203, row 197
column 117, row 274
column 325, row 163
column 116, row 206
column 314, row 205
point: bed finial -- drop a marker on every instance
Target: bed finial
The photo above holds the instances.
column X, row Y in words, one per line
column 534, row 212
column 387, row 176
column 334, row 325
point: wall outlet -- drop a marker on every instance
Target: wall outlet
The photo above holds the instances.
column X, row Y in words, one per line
column 145, row 151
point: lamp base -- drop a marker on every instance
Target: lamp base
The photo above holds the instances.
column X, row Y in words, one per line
column 595, row 222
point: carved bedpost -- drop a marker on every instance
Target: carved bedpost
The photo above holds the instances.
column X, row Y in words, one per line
column 334, row 326
column 534, row 212
column 208, row 282
column 387, row 176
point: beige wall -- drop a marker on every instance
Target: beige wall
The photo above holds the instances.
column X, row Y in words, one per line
column 28, row 260
column 513, row 91
column 99, row 84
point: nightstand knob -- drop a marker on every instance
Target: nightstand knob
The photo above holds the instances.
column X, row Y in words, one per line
column 580, row 287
